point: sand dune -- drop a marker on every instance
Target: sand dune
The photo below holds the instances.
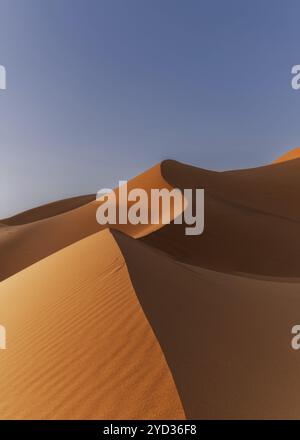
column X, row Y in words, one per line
column 99, row 323
column 25, row 244
column 290, row 155
column 48, row 210
column 226, row 338
column 252, row 220
column 79, row 345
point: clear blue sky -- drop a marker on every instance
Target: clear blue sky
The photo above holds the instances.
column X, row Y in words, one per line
column 99, row 90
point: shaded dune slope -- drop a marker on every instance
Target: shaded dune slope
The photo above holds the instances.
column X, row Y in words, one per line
column 226, row 338
column 79, row 345
column 252, row 220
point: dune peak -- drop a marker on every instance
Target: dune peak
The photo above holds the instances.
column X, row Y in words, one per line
column 290, row 155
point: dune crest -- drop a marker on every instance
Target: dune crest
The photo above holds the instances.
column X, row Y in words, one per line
column 290, row 155
column 144, row 321
column 48, row 210
column 78, row 343
column 24, row 244
column 226, row 338
column 252, row 220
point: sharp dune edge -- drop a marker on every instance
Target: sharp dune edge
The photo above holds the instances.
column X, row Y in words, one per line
column 24, row 244
column 290, row 155
column 252, row 220
column 79, row 344
column 102, row 325
column 226, row 338
column 48, row 210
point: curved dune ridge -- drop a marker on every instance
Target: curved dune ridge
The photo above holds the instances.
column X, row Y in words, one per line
column 226, row 338
column 24, row 244
column 48, row 210
column 290, row 155
column 252, row 220
column 79, row 345
column 146, row 322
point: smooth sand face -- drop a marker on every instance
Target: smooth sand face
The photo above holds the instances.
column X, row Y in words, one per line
column 252, row 220
column 78, row 343
column 290, row 155
column 227, row 339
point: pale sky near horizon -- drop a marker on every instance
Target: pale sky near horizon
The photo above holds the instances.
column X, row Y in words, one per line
column 100, row 90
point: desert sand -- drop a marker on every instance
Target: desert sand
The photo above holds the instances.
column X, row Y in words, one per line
column 226, row 338
column 42, row 233
column 48, row 210
column 145, row 322
column 252, row 220
column 79, row 345
column 290, row 155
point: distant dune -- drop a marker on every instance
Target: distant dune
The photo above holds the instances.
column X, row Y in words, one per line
column 142, row 321
column 48, row 210
column 290, row 155
column 24, row 244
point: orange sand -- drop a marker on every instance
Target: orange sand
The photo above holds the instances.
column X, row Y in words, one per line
column 78, row 343
column 23, row 244
column 99, row 323
column 290, row 155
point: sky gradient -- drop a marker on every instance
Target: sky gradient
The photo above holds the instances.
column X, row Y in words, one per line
column 100, row 90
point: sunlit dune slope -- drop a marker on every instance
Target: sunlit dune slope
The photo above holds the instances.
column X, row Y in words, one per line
column 78, row 343
column 23, row 245
column 227, row 339
column 290, row 155
column 252, row 220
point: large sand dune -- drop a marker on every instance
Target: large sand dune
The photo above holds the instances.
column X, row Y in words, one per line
column 252, row 220
column 79, row 345
column 24, row 244
column 146, row 322
column 290, row 155
column 226, row 338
